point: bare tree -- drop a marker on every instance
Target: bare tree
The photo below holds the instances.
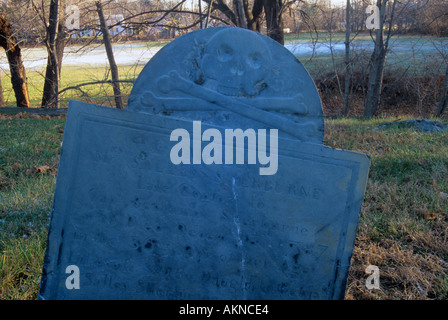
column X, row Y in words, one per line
column 444, row 98
column 273, row 12
column 347, row 59
column 110, row 56
column 2, row 99
column 209, row 11
column 378, row 59
column 241, row 14
column 55, row 43
column 18, row 75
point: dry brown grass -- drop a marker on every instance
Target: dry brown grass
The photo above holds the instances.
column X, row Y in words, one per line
column 405, row 273
column 403, row 228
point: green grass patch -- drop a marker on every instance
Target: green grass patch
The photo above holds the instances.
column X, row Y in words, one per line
column 404, row 219
column 26, row 195
column 71, row 76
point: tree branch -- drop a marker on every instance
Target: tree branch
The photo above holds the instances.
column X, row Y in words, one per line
column 78, row 87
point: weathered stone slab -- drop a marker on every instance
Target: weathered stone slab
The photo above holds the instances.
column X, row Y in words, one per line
column 140, row 227
column 211, row 185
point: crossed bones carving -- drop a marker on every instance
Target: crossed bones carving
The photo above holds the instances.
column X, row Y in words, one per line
column 203, row 96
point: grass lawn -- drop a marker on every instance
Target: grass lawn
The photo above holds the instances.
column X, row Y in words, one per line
column 403, row 227
column 71, row 76
column 25, row 200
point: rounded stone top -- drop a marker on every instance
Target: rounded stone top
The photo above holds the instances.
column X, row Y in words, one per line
column 228, row 76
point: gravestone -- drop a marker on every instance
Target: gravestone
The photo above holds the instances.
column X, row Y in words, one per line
column 212, row 184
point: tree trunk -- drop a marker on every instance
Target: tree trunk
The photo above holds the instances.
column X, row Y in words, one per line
column 224, row 9
column 50, row 97
column 273, row 20
column 209, row 12
column 200, row 12
column 2, row 100
column 239, row 11
column 249, row 15
column 50, row 89
column 257, row 9
column 14, row 56
column 347, row 60
column 110, row 56
column 444, row 99
column 240, row 15
column 377, row 62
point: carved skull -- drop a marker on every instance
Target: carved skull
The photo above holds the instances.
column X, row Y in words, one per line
column 235, row 65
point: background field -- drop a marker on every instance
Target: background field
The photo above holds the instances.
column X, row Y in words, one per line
column 413, row 78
